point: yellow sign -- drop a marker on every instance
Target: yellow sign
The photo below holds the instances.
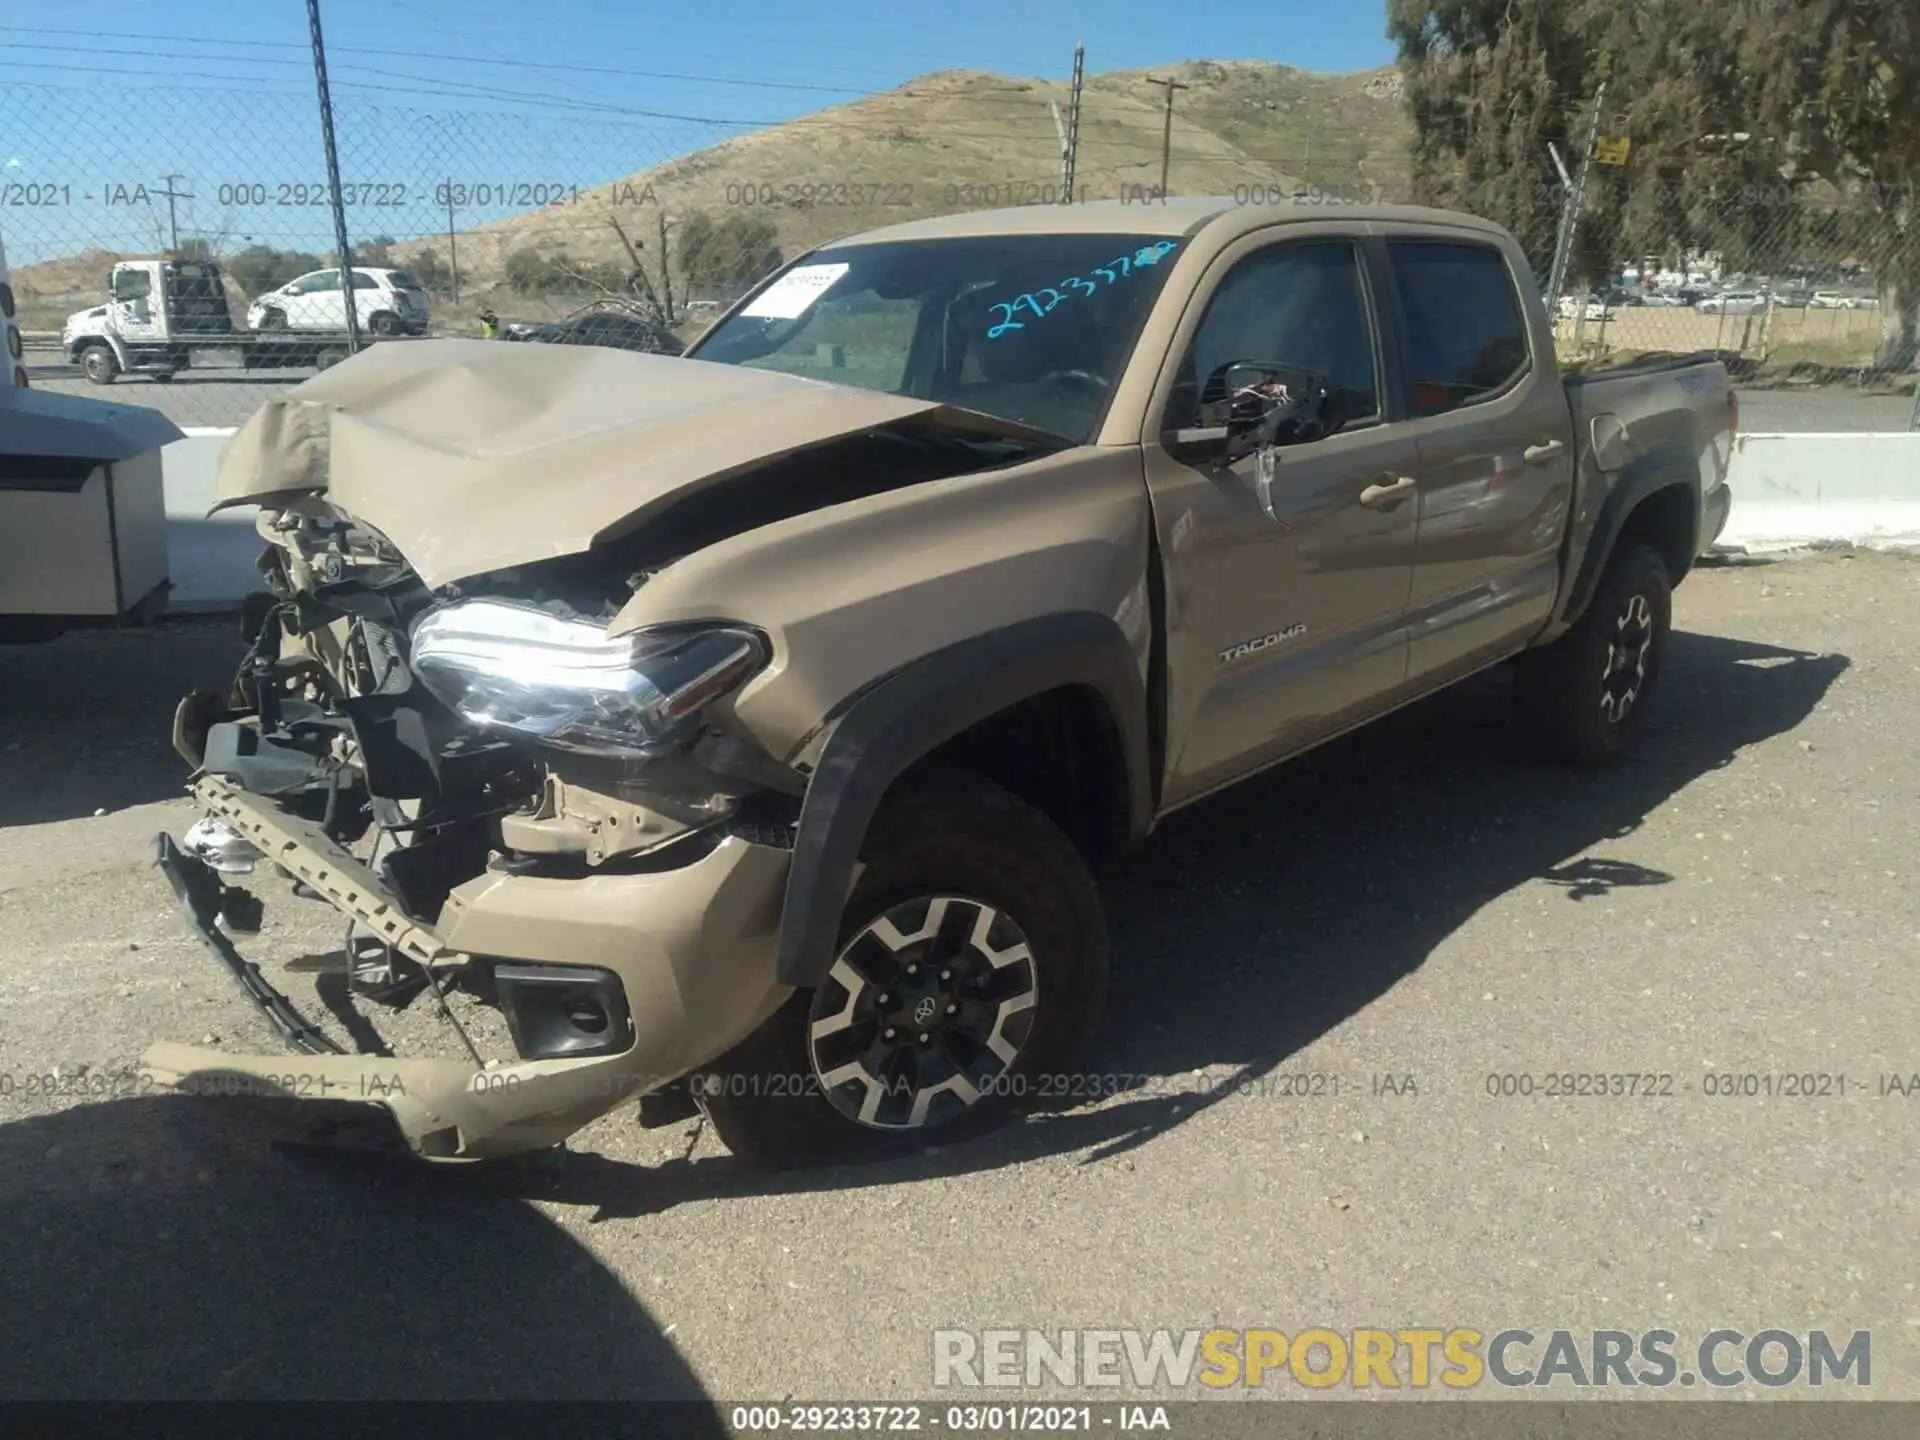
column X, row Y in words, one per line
column 1612, row 151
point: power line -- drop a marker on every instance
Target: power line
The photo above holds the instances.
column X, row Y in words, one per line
column 517, row 64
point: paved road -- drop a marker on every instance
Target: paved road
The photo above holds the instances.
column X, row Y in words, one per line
column 227, row 397
column 1413, row 902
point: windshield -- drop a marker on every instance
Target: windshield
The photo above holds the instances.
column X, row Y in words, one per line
column 1030, row 328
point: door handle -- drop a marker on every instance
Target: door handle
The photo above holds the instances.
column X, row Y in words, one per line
column 1543, row 452
column 1382, row 496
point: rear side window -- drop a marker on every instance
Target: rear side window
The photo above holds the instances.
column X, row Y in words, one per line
column 1466, row 333
column 403, row 281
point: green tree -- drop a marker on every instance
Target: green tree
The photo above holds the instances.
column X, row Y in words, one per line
column 695, row 241
column 260, row 268
column 747, row 246
column 737, row 251
column 1785, row 137
column 431, row 270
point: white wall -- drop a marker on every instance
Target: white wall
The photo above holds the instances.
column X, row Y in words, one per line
column 211, row 561
column 1794, row 490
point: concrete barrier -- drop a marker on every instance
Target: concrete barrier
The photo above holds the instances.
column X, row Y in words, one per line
column 211, row 561
column 1791, row 491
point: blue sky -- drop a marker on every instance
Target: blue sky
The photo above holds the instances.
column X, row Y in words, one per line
column 525, row 96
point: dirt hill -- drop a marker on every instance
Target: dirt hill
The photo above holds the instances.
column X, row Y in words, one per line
column 952, row 140
column 958, row 140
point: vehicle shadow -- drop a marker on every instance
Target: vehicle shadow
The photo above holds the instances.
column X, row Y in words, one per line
column 86, row 719
column 1256, row 921
column 160, row 1249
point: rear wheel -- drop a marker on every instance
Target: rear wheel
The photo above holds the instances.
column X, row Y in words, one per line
column 972, row 961
column 384, row 322
column 98, row 364
column 1586, row 694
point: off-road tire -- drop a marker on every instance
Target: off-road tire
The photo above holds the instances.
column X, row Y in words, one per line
column 99, row 365
column 384, row 322
column 1568, row 694
column 950, row 835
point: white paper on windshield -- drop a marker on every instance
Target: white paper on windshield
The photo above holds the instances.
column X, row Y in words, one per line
column 790, row 297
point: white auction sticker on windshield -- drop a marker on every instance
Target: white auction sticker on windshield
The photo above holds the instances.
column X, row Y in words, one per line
column 789, row 297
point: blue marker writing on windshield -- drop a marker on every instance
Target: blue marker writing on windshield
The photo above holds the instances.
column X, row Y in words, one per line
column 1041, row 304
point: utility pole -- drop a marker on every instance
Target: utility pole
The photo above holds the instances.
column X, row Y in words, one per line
column 333, row 177
column 1570, row 215
column 453, row 252
column 666, row 269
column 173, row 219
column 1070, row 145
column 1166, row 132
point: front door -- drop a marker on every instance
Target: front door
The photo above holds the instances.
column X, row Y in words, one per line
column 1285, row 599
column 317, row 302
column 139, row 313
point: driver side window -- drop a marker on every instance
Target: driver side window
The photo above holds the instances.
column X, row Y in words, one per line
column 1302, row 303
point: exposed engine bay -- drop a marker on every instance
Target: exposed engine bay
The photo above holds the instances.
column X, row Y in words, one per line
column 484, row 726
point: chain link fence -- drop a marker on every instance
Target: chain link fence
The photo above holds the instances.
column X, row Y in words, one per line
column 208, row 211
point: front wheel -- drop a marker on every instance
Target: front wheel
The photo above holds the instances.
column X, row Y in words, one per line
column 98, row 364
column 1586, row 693
column 971, row 968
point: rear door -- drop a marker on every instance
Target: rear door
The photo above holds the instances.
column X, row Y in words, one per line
column 1283, row 627
column 1496, row 457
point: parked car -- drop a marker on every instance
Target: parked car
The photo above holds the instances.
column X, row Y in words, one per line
column 388, row 302
column 613, row 329
column 1732, row 302
column 1843, row 300
column 1574, row 307
column 748, row 738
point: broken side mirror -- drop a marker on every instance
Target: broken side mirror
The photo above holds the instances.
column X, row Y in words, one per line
column 1252, row 407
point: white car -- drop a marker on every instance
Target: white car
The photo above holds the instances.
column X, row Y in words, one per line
column 1570, row 307
column 389, row 302
column 1732, row 302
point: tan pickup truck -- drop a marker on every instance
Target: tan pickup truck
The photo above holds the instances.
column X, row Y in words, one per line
column 746, row 729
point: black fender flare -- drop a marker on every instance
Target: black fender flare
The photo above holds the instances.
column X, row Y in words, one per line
column 1657, row 470
column 913, row 711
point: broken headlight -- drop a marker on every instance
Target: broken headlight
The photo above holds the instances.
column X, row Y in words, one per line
column 565, row 683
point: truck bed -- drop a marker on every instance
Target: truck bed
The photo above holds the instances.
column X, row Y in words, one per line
column 1674, row 413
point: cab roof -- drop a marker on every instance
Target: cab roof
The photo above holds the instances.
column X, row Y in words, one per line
column 1178, row 215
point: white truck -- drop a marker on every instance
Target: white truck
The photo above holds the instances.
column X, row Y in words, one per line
column 166, row 315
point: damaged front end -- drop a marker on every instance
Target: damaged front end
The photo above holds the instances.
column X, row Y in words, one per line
column 510, row 809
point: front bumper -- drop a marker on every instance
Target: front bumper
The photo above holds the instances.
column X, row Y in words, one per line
column 693, row 946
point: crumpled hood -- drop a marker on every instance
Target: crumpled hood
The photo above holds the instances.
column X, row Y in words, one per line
column 478, row 455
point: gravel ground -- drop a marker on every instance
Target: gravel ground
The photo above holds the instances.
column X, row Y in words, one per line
column 1412, row 902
